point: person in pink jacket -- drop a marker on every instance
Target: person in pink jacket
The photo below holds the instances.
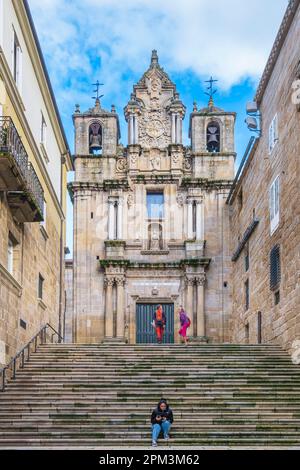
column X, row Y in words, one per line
column 184, row 323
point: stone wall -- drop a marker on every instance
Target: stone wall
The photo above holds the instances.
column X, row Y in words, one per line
column 37, row 252
column 280, row 323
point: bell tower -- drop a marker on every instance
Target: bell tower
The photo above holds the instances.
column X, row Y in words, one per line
column 97, row 131
column 212, row 140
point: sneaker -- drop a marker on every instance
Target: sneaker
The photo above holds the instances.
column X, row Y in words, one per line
column 154, row 444
column 166, row 437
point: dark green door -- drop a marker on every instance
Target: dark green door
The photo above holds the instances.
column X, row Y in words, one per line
column 145, row 333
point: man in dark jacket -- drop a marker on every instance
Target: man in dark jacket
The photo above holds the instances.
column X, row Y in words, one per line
column 161, row 419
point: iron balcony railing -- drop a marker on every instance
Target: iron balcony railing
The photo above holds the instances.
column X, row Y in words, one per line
column 10, row 142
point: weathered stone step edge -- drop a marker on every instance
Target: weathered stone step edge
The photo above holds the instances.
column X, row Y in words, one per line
column 219, row 411
column 141, row 369
column 127, row 392
column 141, row 426
column 142, row 420
column 94, row 412
column 146, row 434
column 181, row 399
column 116, row 443
column 152, row 385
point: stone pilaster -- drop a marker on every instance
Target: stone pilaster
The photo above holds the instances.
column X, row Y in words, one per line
column 109, row 319
column 189, row 284
column 120, row 280
column 200, row 282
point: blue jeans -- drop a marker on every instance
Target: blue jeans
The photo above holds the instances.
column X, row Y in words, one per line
column 156, row 428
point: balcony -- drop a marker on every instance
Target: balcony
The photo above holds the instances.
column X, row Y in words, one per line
column 18, row 179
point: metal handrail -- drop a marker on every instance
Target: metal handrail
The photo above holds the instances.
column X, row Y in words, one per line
column 10, row 140
column 42, row 334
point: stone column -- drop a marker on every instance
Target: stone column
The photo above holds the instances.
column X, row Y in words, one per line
column 189, row 282
column 190, row 234
column 109, row 317
column 120, row 307
column 120, row 220
column 173, row 129
column 111, row 219
column 199, row 220
column 130, row 136
column 179, row 137
column 136, row 130
column 200, row 281
column 177, row 128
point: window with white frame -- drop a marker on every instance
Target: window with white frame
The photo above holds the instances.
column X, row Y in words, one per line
column 273, row 133
column 43, row 131
column 274, row 204
column 17, row 61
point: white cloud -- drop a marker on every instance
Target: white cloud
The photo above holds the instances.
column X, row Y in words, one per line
column 86, row 39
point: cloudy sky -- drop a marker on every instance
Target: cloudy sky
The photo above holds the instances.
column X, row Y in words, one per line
column 111, row 40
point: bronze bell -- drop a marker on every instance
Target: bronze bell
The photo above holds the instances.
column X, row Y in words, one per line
column 95, row 137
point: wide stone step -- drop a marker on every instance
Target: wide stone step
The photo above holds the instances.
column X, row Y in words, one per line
column 184, row 427
column 76, row 444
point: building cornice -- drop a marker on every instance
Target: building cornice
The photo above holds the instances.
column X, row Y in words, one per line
column 19, row 110
column 34, row 49
column 181, row 264
column 279, row 41
column 204, row 183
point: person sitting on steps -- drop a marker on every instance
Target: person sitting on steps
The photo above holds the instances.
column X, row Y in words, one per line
column 161, row 420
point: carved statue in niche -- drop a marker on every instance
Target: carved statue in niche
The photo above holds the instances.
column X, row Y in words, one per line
column 155, row 237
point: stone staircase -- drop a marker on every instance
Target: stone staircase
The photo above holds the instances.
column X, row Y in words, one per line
column 103, row 395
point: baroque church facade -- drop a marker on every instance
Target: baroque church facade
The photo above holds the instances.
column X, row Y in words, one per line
column 151, row 224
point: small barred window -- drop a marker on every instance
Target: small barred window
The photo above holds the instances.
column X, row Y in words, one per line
column 275, row 271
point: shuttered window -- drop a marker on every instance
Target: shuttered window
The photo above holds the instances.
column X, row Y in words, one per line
column 275, row 271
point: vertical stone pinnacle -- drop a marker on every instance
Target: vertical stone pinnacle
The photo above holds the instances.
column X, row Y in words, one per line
column 154, row 57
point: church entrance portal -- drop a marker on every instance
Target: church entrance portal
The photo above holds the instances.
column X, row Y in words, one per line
column 145, row 332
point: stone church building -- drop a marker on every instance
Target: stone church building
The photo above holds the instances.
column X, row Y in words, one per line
column 151, row 225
